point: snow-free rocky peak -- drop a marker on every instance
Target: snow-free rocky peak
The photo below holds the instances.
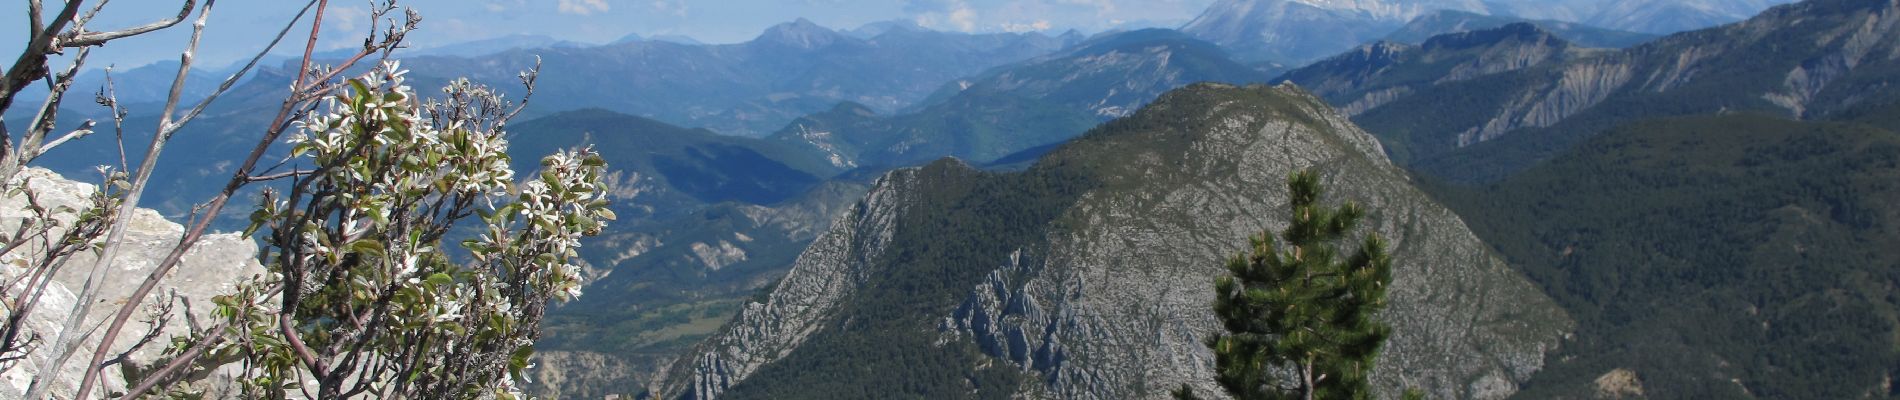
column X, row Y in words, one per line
column 801, row 34
column 1089, row 275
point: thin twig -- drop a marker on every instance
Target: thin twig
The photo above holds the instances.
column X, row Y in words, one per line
column 84, row 129
column 86, row 39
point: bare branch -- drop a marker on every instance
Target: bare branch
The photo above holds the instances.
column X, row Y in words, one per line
column 35, row 22
column 32, row 62
column 310, row 46
column 126, row 208
column 211, row 337
column 527, row 81
column 83, row 39
column 84, row 129
column 108, row 96
column 276, row 176
column 161, row 317
column 48, row 115
column 235, row 76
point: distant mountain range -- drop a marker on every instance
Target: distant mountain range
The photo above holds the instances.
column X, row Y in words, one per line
column 751, row 88
column 1298, row 31
column 1021, row 106
column 494, row 45
column 1453, row 21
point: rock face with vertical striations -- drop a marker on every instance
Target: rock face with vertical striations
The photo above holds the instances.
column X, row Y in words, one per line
column 1818, row 59
column 1382, row 72
column 213, row 267
column 1089, row 275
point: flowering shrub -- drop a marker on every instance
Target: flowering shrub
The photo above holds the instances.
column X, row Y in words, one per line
column 361, row 299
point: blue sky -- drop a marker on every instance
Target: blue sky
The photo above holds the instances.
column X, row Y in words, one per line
column 240, row 27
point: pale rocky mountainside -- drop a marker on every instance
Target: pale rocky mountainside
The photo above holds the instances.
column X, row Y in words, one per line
column 1378, row 73
column 1818, row 59
column 657, row 288
column 212, row 268
column 1109, row 296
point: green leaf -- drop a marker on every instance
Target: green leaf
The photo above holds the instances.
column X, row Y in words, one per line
column 368, row 246
column 257, row 220
column 519, row 360
column 441, row 279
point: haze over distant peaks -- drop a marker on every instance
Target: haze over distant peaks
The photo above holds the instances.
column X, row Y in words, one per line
column 801, row 33
column 1453, row 21
column 1400, row 10
column 494, row 45
column 1297, row 31
column 873, row 29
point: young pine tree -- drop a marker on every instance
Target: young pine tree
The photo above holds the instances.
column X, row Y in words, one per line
column 1298, row 318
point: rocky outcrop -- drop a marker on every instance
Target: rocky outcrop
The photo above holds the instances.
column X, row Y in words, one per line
column 1113, row 302
column 1817, row 59
column 585, row 375
column 1380, row 73
column 670, row 285
column 1578, row 87
column 828, row 271
column 1619, row 383
column 1856, row 41
column 211, row 268
column 1374, row 99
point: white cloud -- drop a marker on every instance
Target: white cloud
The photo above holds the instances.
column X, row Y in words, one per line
column 674, row 7
column 1020, row 27
column 583, row 7
column 1102, row 7
column 345, row 19
column 963, row 18
column 496, row 6
column 932, row 6
column 956, row 15
column 343, row 27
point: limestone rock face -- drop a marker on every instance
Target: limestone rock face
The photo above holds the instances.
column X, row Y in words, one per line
column 828, row 271
column 1379, row 73
column 211, row 268
column 1474, row 106
column 1113, row 300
